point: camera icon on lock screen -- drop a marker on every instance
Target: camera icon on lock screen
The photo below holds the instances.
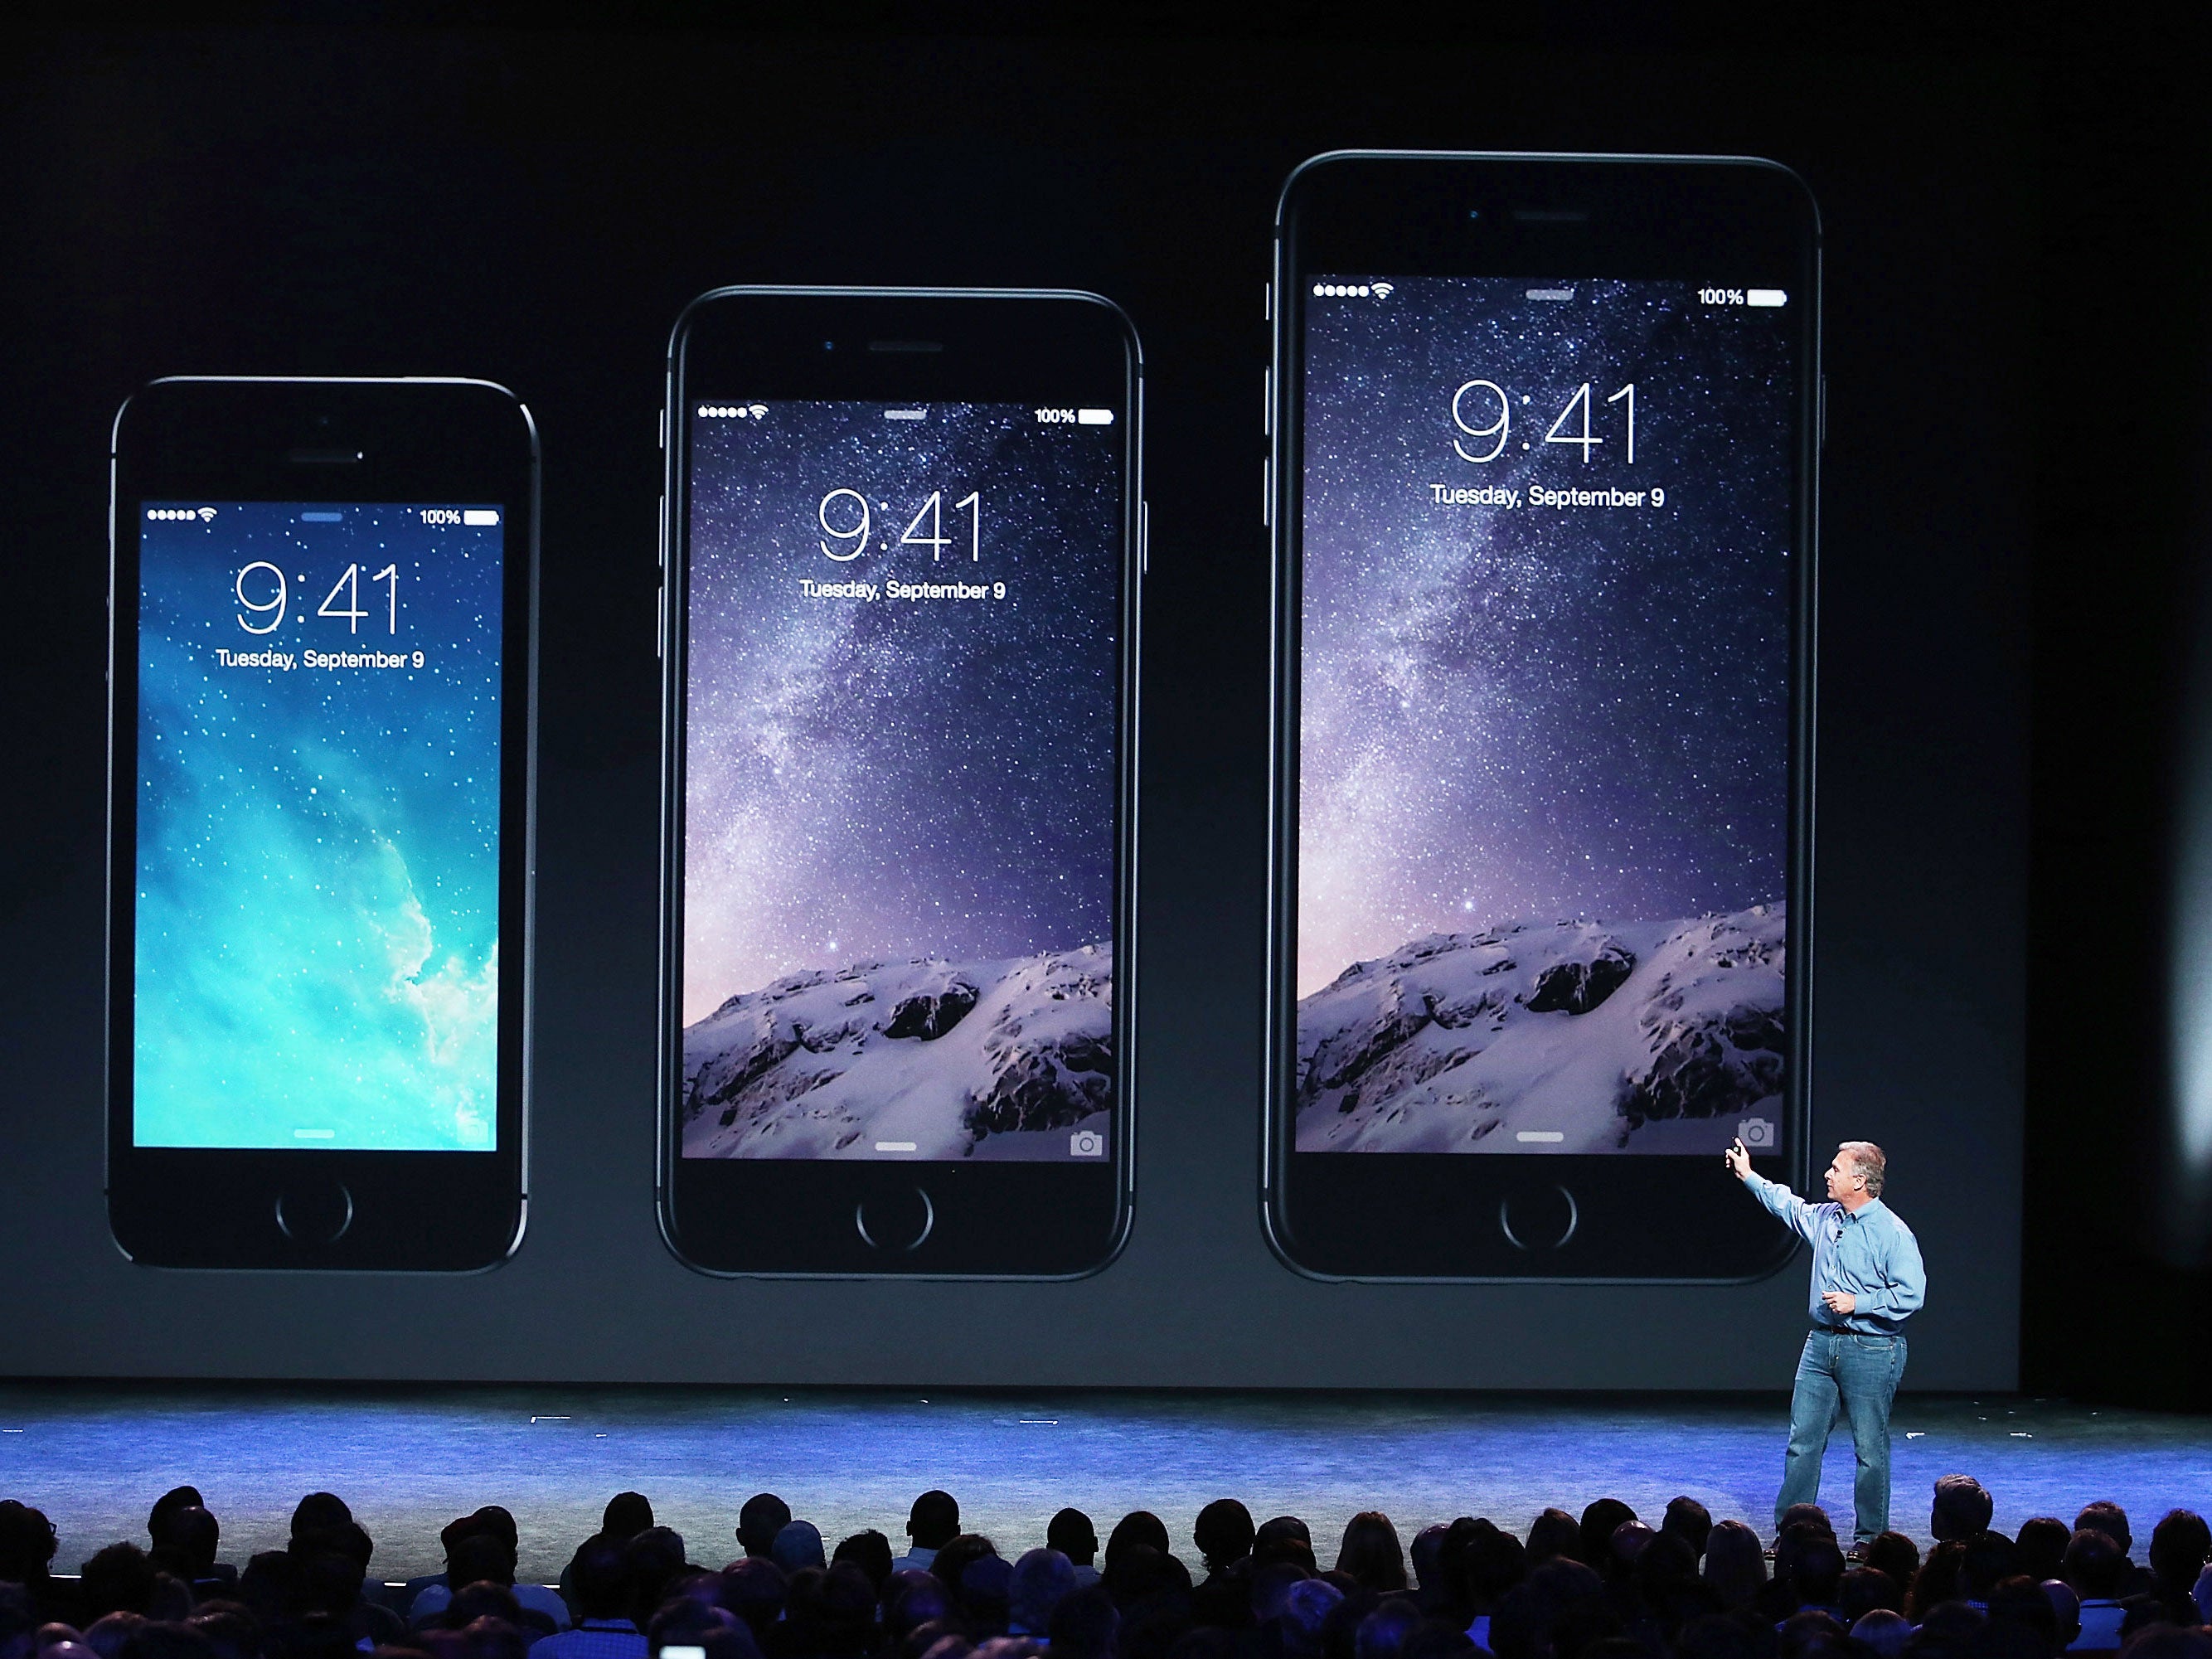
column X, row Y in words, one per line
column 1755, row 1131
column 1086, row 1143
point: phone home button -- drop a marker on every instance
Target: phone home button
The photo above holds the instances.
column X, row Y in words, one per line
column 897, row 1220
column 1540, row 1219
column 316, row 1213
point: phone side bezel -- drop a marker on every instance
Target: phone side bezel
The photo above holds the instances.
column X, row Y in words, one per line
column 673, row 646
column 411, row 1182
column 1283, row 498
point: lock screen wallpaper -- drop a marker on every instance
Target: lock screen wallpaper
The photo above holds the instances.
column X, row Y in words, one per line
column 1544, row 704
column 317, row 913
column 901, row 792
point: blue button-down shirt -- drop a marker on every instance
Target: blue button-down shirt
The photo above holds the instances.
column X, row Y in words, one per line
column 1868, row 1252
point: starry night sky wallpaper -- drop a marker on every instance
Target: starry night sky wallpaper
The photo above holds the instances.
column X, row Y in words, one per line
column 318, row 906
column 885, row 778
column 1522, row 713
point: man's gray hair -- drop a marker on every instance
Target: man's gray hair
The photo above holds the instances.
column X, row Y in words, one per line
column 1870, row 1162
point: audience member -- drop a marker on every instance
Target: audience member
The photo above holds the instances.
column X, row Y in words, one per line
column 1689, row 1520
column 764, row 1515
column 1894, row 1553
column 1962, row 1508
column 1734, row 1565
column 2065, row 1610
column 107, row 1634
column 934, row 1522
column 951, row 1562
column 319, row 1511
column 2094, row 1567
column 599, row 1581
column 186, row 1540
column 1137, row 1526
column 1554, row 1533
column 1071, row 1533
column 798, row 1545
column 1284, row 1538
column 627, row 1513
column 869, row 1551
column 1224, row 1536
column 1223, row 1533
column 2180, row 1545
column 28, row 1543
column 2042, row 1541
column 1042, row 1578
column 1863, row 1590
column 1884, row 1629
column 1988, row 1557
column 1596, row 1530
column 1382, row 1634
column 1804, row 1514
column 755, row 1590
column 1937, row 1581
column 655, row 1560
column 1085, row 1625
column 117, row 1579
column 1370, row 1552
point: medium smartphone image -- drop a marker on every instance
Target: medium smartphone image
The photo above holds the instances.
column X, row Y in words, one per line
column 901, row 573
column 320, row 701
column 1545, row 437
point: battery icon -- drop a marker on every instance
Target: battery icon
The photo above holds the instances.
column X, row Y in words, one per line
column 1764, row 296
column 481, row 515
column 1094, row 417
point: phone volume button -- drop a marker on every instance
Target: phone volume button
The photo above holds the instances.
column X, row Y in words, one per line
column 1268, row 491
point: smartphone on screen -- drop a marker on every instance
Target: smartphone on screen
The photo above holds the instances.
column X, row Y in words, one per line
column 1544, row 433
column 320, row 678
column 900, row 569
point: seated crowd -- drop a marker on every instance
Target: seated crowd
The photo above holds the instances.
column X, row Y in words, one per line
column 1606, row 1586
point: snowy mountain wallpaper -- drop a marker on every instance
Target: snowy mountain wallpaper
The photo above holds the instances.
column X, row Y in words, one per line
column 317, row 916
column 900, row 803
column 1544, row 738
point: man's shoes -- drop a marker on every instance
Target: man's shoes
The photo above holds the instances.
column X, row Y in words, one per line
column 1856, row 1552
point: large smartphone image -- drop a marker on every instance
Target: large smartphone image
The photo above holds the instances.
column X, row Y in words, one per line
column 901, row 581
column 320, row 677
column 1545, row 435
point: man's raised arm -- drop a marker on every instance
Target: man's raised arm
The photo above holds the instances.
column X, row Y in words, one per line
column 1784, row 1205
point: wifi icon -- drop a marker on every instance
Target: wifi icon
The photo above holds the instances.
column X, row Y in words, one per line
column 1381, row 291
column 758, row 410
column 207, row 515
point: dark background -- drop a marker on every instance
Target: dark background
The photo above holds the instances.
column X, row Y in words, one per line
column 535, row 205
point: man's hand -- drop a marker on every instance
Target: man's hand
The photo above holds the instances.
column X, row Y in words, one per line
column 1842, row 1304
column 1738, row 1160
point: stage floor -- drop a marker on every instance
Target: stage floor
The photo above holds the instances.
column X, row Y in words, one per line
column 94, row 1457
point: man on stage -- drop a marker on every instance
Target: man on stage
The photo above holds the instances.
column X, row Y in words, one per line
column 1867, row 1278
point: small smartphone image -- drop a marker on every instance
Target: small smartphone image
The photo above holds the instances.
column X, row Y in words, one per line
column 1545, row 436
column 901, row 572
column 320, row 701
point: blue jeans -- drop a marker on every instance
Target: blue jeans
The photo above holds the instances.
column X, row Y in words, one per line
column 1843, row 1373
